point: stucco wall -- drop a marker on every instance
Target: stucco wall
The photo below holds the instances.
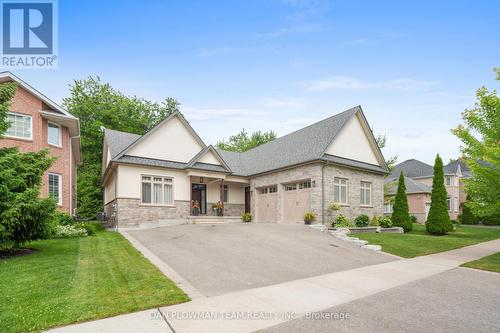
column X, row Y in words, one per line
column 28, row 104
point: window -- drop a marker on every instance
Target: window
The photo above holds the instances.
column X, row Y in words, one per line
column 388, row 208
column 365, row 195
column 306, row 184
column 225, row 193
column 263, row 190
column 55, row 187
column 273, row 189
column 449, row 203
column 290, row 187
column 20, row 126
column 456, row 204
column 54, row 134
column 448, row 181
column 340, row 190
column 157, row 190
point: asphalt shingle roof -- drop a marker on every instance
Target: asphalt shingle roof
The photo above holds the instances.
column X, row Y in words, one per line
column 412, row 186
column 304, row 145
column 412, row 168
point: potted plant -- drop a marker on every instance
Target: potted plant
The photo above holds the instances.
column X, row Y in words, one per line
column 332, row 210
column 218, row 208
column 246, row 217
column 309, row 217
column 195, row 207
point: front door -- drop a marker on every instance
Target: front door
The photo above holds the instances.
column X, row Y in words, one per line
column 199, row 193
column 247, row 199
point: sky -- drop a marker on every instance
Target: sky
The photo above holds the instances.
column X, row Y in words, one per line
column 280, row 65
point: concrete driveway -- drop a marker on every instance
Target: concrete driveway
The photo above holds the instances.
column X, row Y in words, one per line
column 223, row 258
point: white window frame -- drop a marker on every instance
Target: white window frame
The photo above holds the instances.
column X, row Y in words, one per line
column 388, row 208
column 364, row 188
column 60, row 134
column 59, row 194
column 449, row 203
column 163, row 184
column 448, row 179
column 31, row 126
column 337, row 182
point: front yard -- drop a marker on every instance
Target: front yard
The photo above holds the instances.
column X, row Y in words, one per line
column 79, row 279
column 418, row 242
column 489, row 263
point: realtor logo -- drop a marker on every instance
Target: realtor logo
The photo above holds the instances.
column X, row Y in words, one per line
column 29, row 34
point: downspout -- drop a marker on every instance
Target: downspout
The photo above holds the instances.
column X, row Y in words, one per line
column 71, row 176
column 323, row 193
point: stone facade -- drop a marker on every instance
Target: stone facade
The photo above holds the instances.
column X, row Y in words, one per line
column 315, row 173
column 229, row 209
column 126, row 212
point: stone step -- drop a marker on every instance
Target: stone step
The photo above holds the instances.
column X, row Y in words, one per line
column 358, row 242
column 214, row 219
column 372, row 247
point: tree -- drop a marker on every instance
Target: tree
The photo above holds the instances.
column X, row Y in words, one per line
column 467, row 216
column 242, row 142
column 382, row 142
column 401, row 215
column 98, row 105
column 480, row 135
column 7, row 91
column 24, row 216
column 438, row 221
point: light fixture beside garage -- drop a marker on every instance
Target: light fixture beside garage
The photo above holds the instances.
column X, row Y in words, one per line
column 313, row 183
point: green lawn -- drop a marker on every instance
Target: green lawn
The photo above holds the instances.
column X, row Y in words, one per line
column 489, row 263
column 79, row 279
column 418, row 242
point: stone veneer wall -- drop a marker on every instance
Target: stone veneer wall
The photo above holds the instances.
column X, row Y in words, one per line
column 229, row 209
column 314, row 173
column 130, row 213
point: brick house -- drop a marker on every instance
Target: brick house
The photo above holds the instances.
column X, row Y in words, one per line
column 39, row 123
column 156, row 178
column 418, row 182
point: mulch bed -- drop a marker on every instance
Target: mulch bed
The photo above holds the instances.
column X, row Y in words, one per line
column 16, row 253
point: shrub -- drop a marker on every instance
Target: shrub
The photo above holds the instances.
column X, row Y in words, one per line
column 362, row 221
column 374, row 221
column 467, row 216
column 91, row 227
column 309, row 217
column 67, row 231
column 385, row 222
column 401, row 216
column 413, row 219
column 342, row 222
column 61, row 218
column 455, row 222
column 438, row 221
column 491, row 220
column 246, row 217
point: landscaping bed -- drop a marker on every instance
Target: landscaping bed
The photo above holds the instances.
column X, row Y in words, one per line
column 79, row 279
column 418, row 242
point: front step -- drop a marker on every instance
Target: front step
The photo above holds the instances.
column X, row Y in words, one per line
column 214, row 219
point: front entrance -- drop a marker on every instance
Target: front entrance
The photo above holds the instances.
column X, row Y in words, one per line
column 247, row 199
column 199, row 193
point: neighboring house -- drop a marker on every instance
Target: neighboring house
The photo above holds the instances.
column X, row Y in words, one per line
column 418, row 182
column 155, row 177
column 39, row 123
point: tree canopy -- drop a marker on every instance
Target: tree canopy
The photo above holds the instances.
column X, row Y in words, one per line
column 98, row 105
column 480, row 136
column 438, row 221
column 401, row 215
column 242, row 142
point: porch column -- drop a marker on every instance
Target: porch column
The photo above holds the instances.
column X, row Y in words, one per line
column 221, row 190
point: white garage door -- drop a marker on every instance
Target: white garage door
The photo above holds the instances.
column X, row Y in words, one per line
column 267, row 204
column 296, row 201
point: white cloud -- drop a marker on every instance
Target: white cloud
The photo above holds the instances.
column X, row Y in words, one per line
column 352, row 83
column 210, row 52
column 198, row 114
column 296, row 29
column 285, row 102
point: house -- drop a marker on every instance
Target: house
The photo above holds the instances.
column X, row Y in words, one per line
column 418, row 182
column 154, row 178
column 39, row 123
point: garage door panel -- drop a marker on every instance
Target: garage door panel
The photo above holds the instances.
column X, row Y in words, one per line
column 296, row 202
column 267, row 207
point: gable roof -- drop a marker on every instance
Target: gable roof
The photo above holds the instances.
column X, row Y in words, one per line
column 453, row 167
column 412, row 168
column 412, row 186
column 305, row 145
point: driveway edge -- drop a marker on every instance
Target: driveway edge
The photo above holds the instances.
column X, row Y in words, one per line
column 168, row 271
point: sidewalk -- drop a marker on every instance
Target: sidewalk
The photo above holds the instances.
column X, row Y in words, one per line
column 255, row 309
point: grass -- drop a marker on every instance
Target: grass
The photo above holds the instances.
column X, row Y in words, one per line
column 490, row 263
column 79, row 279
column 418, row 242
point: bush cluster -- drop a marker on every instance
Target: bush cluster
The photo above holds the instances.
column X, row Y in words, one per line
column 491, row 220
column 342, row 222
column 67, row 231
column 362, row 221
column 385, row 222
column 246, row 217
column 374, row 221
column 309, row 217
